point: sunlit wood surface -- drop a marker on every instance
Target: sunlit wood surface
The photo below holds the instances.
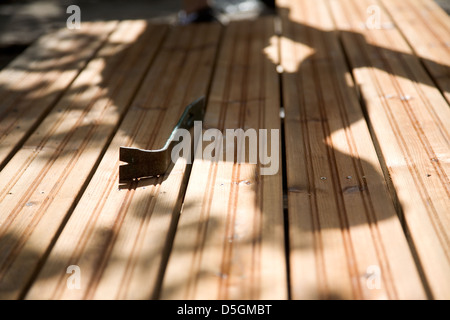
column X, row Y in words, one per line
column 358, row 91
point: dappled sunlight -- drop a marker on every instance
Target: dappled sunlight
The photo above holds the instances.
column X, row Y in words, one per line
column 341, row 138
column 290, row 62
column 272, row 50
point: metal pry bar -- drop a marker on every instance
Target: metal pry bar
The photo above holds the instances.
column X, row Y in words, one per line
column 150, row 163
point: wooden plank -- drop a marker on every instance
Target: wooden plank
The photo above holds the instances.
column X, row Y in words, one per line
column 120, row 236
column 410, row 121
column 45, row 178
column 33, row 83
column 344, row 231
column 427, row 29
column 230, row 238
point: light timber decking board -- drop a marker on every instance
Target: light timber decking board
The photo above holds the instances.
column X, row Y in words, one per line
column 427, row 29
column 342, row 221
column 32, row 84
column 120, row 235
column 409, row 119
column 366, row 149
column 229, row 242
column 43, row 180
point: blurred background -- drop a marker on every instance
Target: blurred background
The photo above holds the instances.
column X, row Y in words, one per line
column 23, row 21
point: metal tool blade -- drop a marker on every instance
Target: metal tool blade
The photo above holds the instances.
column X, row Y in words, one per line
column 148, row 163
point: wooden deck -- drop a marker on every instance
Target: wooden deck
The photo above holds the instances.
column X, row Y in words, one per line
column 360, row 205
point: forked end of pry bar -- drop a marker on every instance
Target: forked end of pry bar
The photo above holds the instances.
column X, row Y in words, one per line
column 151, row 163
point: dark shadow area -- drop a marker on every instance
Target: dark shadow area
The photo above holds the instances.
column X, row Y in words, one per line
column 9, row 53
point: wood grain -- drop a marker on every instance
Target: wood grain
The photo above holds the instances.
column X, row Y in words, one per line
column 120, row 236
column 43, row 181
column 343, row 225
column 230, row 239
column 33, row 83
column 366, row 156
column 410, row 119
column 426, row 27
